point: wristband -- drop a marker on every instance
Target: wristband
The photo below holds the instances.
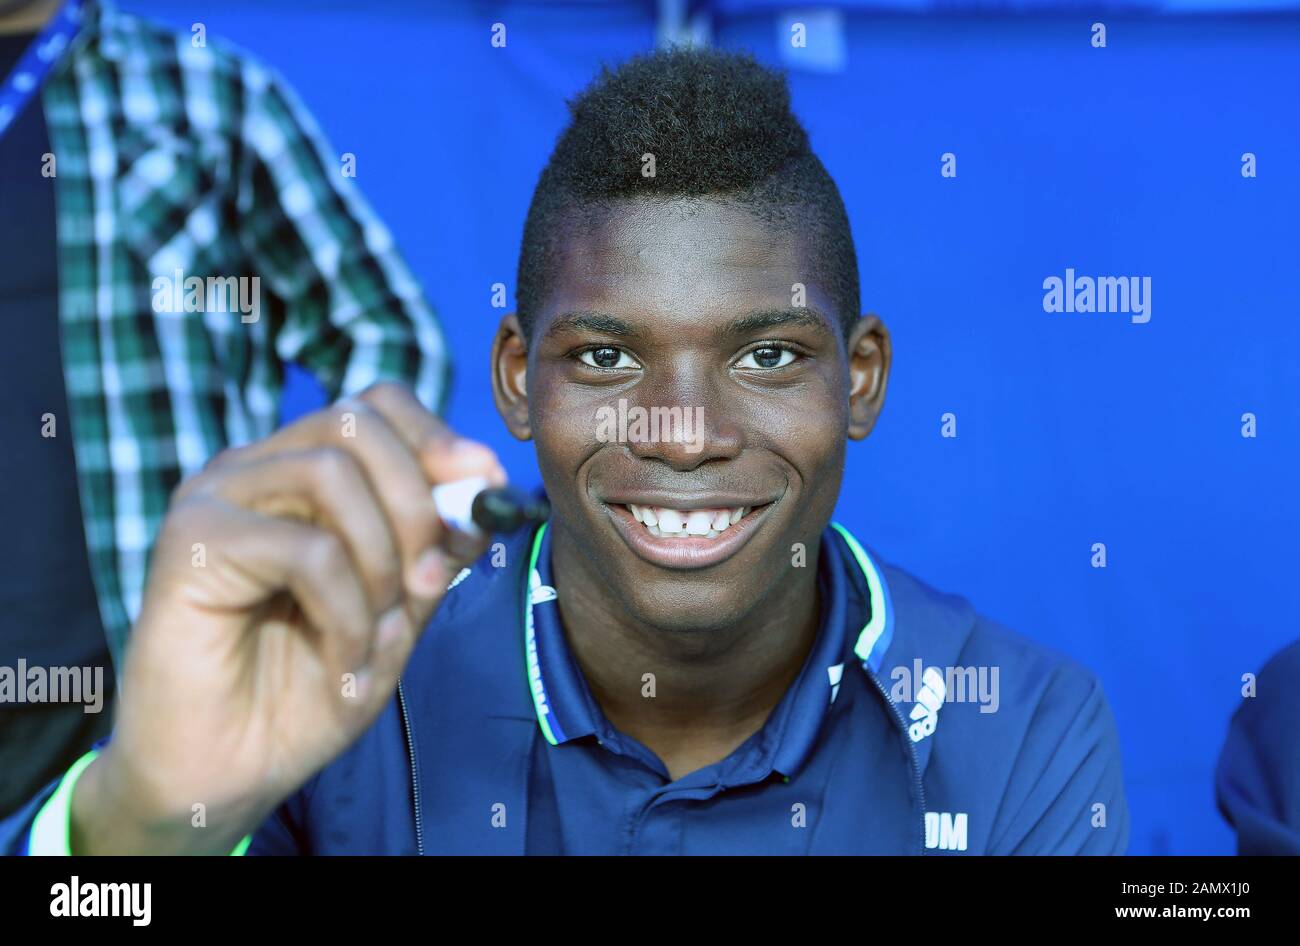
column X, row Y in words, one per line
column 52, row 828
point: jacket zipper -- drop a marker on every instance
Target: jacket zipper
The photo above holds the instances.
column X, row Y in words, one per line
column 911, row 749
column 415, row 770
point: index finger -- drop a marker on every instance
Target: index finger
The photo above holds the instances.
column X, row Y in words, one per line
column 443, row 454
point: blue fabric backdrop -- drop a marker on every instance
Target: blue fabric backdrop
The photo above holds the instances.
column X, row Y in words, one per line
column 1071, row 429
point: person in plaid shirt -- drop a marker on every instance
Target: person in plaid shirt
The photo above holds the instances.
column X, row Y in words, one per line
column 168, row 158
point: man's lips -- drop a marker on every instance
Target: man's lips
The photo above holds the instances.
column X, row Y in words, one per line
column 672, row 546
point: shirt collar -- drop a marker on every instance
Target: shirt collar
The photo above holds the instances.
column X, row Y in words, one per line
column 855, row 620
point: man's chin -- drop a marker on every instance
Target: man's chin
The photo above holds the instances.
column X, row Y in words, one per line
column 689, row 614
column 686, row 602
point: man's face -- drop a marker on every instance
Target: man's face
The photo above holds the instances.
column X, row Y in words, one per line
column 690, row 312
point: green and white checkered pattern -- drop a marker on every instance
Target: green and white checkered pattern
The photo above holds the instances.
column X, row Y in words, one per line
column 176, row 157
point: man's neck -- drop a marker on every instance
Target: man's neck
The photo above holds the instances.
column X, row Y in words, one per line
column 28, row 18
column 713, row 688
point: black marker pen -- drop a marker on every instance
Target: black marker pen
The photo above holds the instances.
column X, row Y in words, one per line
column 473, row 507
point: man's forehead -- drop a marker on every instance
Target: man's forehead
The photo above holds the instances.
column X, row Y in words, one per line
column 686, row 260
column 675, row 233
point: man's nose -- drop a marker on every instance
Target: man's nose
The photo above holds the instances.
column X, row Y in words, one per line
column 684, row 433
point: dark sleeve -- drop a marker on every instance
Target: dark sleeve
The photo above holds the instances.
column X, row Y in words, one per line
column 15, row 829
column 278, row 835
column 284, row 833
column 1257, row 784
column 1066, row 791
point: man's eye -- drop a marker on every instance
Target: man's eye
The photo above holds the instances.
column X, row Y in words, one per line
column 607, row 358
column 769, row 356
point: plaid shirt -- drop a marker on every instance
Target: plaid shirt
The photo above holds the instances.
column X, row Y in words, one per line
column 175, row 157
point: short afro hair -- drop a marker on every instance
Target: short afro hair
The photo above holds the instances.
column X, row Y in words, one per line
column 720, row 127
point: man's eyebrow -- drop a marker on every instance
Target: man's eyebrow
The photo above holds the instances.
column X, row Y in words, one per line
column 596, row 322
column 601, row 324
column 776, row 318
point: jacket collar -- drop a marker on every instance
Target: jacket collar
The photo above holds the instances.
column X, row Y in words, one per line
column 566, row 709
column 484, row 619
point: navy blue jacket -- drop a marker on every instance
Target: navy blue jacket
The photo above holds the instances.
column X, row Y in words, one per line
column 924, row 771
column 1258, row 779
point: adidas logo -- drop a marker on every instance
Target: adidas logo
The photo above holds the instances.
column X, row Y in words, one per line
column 929, row 699
column 539, row 592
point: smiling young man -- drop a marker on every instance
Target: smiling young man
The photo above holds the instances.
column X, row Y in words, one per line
column 688, row 658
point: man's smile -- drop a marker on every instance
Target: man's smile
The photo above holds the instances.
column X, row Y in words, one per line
column 686, row 534
column 680, row 523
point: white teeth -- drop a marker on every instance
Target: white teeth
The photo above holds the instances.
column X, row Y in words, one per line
column 681, row 523
column 699, row 522
column 670, row 520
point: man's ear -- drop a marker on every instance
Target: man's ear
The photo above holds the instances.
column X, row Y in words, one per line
column 870, row 355
column 510, row 377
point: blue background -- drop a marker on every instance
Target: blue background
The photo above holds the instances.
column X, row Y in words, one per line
column 1072, row 428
